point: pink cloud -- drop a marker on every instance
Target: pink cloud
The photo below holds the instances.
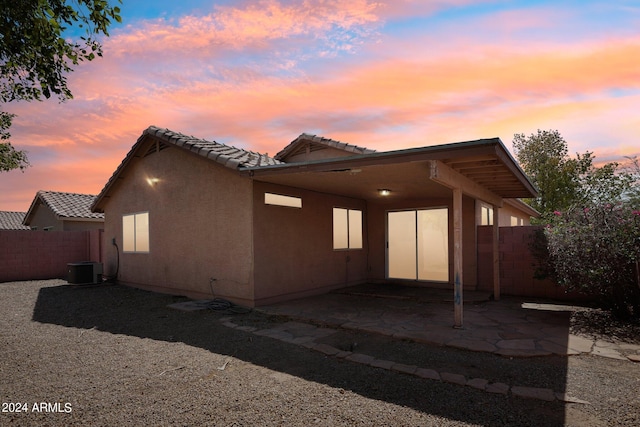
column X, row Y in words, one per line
column 194, row 75
column 249, row 25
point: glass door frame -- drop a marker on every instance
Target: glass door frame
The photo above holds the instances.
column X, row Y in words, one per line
column 416, row 253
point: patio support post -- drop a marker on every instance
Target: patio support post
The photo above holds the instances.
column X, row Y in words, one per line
column 496, row 253
column 443, row 174
column 457, row 257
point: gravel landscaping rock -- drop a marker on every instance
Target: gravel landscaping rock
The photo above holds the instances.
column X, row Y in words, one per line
column 111, row 355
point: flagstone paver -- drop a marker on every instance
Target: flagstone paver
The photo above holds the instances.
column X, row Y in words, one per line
column 428, row 374
column 479, row 383
column 555, row 348
column 360, row 358
column 607, row 352
column 453, row 378
column 498, row 388
column 579, row 344
column 517, row 344
column 405, row 369
column 384, row 364
column 504, row 328
column 471, row 344
column 564, row 397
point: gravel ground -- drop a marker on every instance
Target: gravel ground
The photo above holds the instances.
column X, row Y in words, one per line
column 110, row 355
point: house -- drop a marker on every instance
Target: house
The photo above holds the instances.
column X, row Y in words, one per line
column 56, row 211
column 12, row 220
column 197, row 218
column 513, row 213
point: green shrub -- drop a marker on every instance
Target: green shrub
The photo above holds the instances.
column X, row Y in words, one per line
column 596, row 251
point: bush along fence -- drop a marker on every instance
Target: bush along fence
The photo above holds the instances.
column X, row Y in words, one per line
column 596, row 250
column 37, row 255
column 517, row 265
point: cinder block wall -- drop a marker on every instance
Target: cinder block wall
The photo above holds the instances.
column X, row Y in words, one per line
column 35, row 255
column 517, row 265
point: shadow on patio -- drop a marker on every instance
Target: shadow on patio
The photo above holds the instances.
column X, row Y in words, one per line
column 121, row 310
column 509, row 327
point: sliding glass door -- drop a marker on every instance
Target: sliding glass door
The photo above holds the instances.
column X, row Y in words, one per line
column 418, row 245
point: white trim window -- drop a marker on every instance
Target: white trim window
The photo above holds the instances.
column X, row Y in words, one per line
column 135, row 232
column 347, row 228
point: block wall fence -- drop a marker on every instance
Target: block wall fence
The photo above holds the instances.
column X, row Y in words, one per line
column 38, row 255
column 517, row 265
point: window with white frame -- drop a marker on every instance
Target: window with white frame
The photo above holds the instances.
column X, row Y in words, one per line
column 347, row 228
column 135, row 232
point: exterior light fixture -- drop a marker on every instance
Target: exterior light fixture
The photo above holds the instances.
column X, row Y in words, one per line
column 384, row 192
column 152, row 181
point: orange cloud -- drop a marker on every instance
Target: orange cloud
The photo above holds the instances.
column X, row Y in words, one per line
column 250, row 25
column 200, row 75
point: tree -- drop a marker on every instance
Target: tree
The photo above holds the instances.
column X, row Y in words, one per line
column 10, row 158
column 564, row 182
column 38, row 50
column 544, row 158
column 591, row 241
column 633, row 170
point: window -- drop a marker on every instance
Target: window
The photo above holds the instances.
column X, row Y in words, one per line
column 486, row 217
column 280, row 200
column 347, row 228
column 515, row 221
column 135, row 232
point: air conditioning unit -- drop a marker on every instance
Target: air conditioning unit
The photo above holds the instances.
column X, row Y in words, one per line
column 79, row 273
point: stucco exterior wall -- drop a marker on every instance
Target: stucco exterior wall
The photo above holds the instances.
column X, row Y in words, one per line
column 199, row 227
column 43, row 217
column 377, row 239
column 294, row 253
column 507, row 212
column 82, row 225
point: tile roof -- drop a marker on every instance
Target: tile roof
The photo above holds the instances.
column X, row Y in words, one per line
column 12, row 220
column 320, row 140
column 65, row 205
column 226, row 155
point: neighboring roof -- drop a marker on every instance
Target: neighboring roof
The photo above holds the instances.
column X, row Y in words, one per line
column 12, row 221
column 223, row 154
column 65, row 206
column 318, row 142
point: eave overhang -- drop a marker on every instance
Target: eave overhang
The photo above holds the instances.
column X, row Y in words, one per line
column 485, row 162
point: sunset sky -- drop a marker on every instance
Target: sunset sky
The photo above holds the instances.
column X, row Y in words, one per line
column 381, row 74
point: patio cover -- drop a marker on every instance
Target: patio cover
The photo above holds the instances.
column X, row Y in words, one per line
column 482, row 169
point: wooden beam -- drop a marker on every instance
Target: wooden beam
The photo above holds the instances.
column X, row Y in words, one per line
column 457, row 258
column 444, row 175
column 488, row 159
column 496, row 254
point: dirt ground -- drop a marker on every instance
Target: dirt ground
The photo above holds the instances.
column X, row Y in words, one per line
column 110, row 355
